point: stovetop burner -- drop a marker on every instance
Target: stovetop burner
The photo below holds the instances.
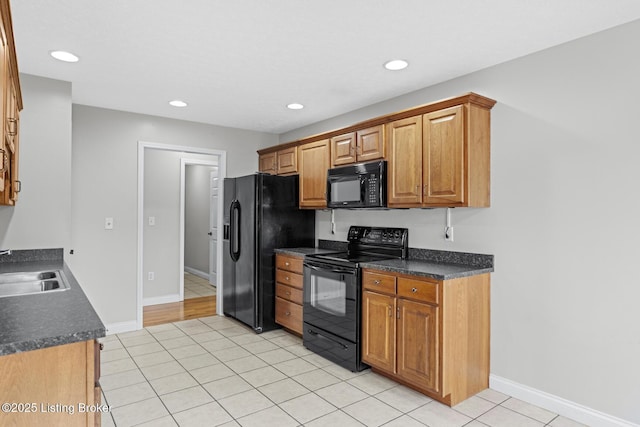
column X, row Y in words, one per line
column 345, row 256
column 368, row 244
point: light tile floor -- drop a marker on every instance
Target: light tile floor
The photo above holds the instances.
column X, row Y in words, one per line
column 195, row 286
column 214, row 372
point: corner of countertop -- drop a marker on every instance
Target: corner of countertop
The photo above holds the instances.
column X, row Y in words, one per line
column 30, row 255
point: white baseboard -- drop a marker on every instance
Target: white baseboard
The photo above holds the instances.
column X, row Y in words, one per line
column 196, row 272
column 559, row 405
column 120, row 327
column 165, row 299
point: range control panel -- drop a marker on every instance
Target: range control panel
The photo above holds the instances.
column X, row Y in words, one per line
column 378, row 235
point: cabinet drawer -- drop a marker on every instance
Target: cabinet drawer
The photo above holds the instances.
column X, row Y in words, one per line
column 288, row 263
column 289, row 278
column 419, row 290
column 379, row 282
column 289, row 315
column 289, row 293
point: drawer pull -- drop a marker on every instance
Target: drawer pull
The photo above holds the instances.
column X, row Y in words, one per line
column 288, row 292
column 390, row 315
column 414, row 290
column 287, row 263
column 376, row 282
column 288, row 313
column 287, row 278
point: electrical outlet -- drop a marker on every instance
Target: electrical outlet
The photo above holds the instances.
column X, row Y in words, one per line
column 448, row 234
column 152, row 275
column 108, row 223
column 152, row 221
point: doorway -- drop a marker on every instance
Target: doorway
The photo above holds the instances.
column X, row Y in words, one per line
column 156, row 252
column 200, row 206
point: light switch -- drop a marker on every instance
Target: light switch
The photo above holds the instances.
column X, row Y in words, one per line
column 108, row 223
column 152, row 221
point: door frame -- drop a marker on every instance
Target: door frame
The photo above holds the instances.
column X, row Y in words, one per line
column 142, row 145
column 184, row 162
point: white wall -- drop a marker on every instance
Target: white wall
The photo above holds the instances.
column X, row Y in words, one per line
column 41, row 218
column 197, row 218
column 105, row 144
column 563, row 222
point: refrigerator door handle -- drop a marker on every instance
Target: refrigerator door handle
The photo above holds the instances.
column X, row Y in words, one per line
column 234, row 246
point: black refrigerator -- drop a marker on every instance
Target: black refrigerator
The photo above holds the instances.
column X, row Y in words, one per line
column 260, row 214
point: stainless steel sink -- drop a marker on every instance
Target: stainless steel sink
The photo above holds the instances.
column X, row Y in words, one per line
column 32, row 282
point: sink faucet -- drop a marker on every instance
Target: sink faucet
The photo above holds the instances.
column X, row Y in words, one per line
column 5, row 252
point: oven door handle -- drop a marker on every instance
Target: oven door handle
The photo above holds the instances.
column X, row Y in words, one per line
column 332, row 270
column 319, row 335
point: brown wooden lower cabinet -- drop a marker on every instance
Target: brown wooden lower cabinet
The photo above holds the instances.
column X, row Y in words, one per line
column 53, row 386
column 430, row 335
column 289, row 292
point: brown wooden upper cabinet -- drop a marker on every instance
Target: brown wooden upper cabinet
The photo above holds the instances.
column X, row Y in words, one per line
column 10, row 106
column 355, row 147
column 440, row 159
column 281, row 162
column 313, row 163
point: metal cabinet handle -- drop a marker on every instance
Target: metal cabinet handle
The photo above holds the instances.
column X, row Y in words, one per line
column 376, row 282
column 288, row 313
column 287, row 263
column 288, row 293
column 414, row 290
column 18, row 186
column 286, row 278
column 390, row 315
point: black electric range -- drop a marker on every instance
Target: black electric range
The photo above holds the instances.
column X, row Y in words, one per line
column 333, row 292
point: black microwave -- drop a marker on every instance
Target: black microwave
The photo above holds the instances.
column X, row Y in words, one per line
column 363, row 185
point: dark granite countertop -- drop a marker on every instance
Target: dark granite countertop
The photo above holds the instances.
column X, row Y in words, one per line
column 301, row 252
column 31, row 322
column 440, row 265
column 432, row 269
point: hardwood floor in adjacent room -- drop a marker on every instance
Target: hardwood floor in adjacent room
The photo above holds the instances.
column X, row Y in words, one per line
column 199, row 301
column 192, row 308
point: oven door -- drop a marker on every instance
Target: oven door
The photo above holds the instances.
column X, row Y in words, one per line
column 331, row 298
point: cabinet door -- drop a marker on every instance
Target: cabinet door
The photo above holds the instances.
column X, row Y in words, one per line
column 404, row 178
column 287, row 161
column 313, row 161
column 444, row 162
column 378, row 330
column 418, row 343
column 343, row 149
column 370, row 144
column 267, row 163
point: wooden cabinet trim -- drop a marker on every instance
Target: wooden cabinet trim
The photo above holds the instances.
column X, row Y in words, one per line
column 471, row 98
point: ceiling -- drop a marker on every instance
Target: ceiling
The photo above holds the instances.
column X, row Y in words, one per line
column 238, row 63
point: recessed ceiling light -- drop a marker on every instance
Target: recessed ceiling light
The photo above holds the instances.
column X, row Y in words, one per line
column 61, row 55
column 178, row 103
column 295, row 106
column 396, row 64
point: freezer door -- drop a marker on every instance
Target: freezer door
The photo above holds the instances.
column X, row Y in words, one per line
column 229, row 266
